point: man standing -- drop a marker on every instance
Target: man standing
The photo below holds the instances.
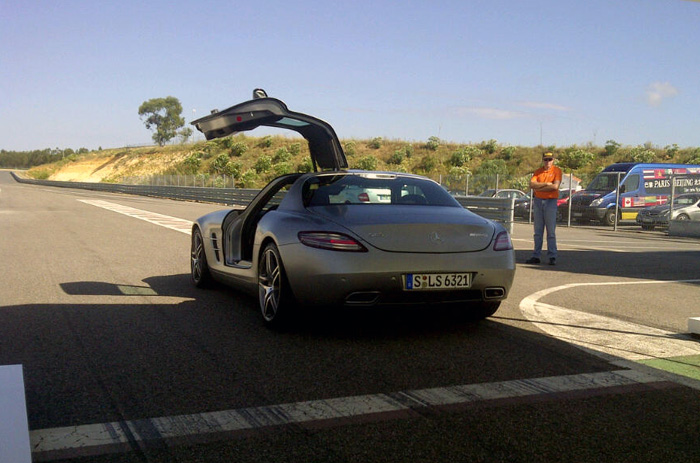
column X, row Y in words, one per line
column 545, row 184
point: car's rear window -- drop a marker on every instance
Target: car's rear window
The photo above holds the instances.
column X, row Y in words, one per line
column 374, row 189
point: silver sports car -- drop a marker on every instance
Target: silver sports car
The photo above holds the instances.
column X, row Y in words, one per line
column 346, row 238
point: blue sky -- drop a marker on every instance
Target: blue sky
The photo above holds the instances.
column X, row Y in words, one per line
column 563, row 72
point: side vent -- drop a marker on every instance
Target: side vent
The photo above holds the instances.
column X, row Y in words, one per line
column 215, row 246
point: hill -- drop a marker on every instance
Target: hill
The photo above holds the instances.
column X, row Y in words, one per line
column 253, row 161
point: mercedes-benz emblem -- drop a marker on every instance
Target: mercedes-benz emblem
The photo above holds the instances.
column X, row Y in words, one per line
column 435, row 238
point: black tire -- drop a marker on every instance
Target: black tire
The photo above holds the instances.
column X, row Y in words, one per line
column 481, row 310
column 609, row 218
column 683, row 217
column 275, row 298
column 199, row 268
column 647, row 227
column 560, row 216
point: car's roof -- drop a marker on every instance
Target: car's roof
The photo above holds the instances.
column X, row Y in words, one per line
column 324, row 146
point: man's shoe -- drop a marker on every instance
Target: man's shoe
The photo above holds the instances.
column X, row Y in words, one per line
column 552, row 261
column 532, row 260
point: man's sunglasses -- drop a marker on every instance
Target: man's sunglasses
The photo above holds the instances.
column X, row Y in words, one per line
column 547, row 159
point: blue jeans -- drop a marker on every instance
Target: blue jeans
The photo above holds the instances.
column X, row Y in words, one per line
column 544, row 213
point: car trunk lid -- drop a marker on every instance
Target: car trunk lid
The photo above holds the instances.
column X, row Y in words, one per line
column 412, row 229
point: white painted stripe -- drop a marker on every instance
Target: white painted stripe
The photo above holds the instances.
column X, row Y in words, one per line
column 94, row 439
column 14, row 428
column 173, row 223
column 606, row 337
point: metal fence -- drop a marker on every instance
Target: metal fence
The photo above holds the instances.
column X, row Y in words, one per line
column 498, row 209
column 198, row 180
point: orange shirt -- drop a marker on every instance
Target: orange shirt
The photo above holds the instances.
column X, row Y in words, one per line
column 547, row 176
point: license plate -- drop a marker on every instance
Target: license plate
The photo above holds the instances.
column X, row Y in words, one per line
column 647, row 220
column 577, row 214
column 433, row 281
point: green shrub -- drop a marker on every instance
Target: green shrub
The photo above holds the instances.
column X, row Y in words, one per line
column 238, row 149
column 263, row 164
column 433, row 144
column 350, row 148
column 428, row 163
column 375, row 143
column 295, row 149
column 366, row 163
column 281, row 155
column 282, row 169
column 265, row 142
column 397, row 158
column 306, row 165
column 192, row 163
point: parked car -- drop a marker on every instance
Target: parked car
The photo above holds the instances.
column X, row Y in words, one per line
column 522, row 206
column 506, row 193
column 300, row 244
column 685, row 207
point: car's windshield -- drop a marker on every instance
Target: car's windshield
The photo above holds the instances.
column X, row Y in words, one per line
column 377, row 189
column 604, row 182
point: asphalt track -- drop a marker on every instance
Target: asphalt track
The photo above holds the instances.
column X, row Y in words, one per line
column 123, row 361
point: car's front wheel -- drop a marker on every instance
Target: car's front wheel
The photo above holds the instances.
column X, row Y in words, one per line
column 199, row 269
column 275, row 298
column 609, row 218
column 683, row 217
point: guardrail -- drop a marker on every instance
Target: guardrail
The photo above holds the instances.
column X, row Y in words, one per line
column 497, row 209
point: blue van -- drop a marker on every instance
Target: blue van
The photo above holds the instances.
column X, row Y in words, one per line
column 641, row 185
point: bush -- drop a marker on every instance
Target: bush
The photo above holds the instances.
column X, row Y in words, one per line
column 281, row 155
column 192, row 163
column 282, row 169
column 249, row 179
column 366, row 163
column 611, row 147
column 295, row 149
column 507, row 153
column 350, row 148
column 238, row 149
column 375, row 143
column 489, row 146
column 263, row 164
column 265, row 142
column 459, row 157
column 397, row 157
column 220, row 163
column 306, row 165
column 428, row 163
column 433, row 143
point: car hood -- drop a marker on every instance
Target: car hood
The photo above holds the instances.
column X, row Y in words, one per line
column 417, row 229
column 657, row 209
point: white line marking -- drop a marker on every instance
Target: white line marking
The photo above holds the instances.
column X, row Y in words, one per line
column 603, row 336
column 95, row 439
column 173, row 223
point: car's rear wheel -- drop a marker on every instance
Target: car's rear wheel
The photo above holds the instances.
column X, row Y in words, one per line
column 647, row 227
column 275, row 298
column 479, row 310
column 199, row 269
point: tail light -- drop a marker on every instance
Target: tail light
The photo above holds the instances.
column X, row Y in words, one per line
column 331, row 241
column 503, row 242
column 364, row 197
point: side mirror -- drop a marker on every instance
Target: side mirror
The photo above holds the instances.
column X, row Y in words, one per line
column 622, row 189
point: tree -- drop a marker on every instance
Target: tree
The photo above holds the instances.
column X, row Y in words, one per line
column 163, row 116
